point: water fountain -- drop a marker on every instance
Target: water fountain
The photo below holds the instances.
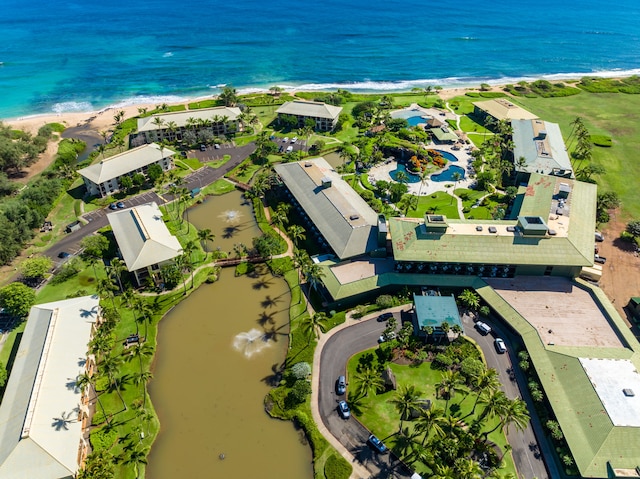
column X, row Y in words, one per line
column 231, row 216
column 251, row 342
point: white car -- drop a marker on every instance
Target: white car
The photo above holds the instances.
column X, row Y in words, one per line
column 384, row 338
column 500, row 346
column 295, row 138
column 289, row 149
column 286, row 139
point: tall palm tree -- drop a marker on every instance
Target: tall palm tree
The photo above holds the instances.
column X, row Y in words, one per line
column 313, row 274
column 406, row 399
column 296, row 233
column 487, row 382
column 495, row 403
column 469, row 299
column 115, row 270
column 205, row 235
column 313, row 324
column 515, row 412
column 467, row 468
column 443, row 471
column 368, row 381
column 159, row 123
column 450, row 384
column 430, row 421
column 402, row 177
column 136, row 457
column 455, row 177
column 105, row 290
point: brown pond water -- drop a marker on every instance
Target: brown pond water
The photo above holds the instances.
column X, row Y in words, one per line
column 212, row 371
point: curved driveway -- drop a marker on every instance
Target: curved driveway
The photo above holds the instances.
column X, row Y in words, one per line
column 349, row 437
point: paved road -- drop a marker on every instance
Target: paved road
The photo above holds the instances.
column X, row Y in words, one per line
column 526, row 447
column 342, row 345
column 353, row 435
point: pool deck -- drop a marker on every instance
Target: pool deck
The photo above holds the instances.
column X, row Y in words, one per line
column 381, row 172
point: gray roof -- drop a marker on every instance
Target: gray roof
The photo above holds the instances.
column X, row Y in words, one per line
column 540, row 143
column 142, row 236
column 311, row 109
column 126, row 162
column 180, row 117
column 345, row 220
column 39, row 431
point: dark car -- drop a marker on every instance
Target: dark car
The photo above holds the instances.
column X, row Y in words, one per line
column 377, row 444
column 341, row 385
column 203, row 147
column 120, row 204
column 384, row 317
column 113, row 206
column 63, row 255
column 343, row 409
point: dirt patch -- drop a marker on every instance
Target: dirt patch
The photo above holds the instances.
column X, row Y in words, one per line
column 621, row 273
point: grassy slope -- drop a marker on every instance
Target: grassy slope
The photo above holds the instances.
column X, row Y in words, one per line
column 613, row 114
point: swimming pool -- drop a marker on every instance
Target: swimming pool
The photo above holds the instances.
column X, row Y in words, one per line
column 412, row 178
column 447, row 175
column 447, row 156
column 416, row 120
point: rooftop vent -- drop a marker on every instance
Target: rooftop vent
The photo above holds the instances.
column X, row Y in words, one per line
column 326, row 182
column 542, row 134
column 492, row 229
column 478, row 228
column 308, row 165
column 511, row 229
column 628, row 392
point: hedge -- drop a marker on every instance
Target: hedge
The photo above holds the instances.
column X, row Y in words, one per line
column 337, row 467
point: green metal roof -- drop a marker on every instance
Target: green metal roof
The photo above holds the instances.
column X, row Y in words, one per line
column 412, row 242
column 432, row 311
column 594, row 441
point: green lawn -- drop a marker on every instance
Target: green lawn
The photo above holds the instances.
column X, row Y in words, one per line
column 219, row 163
column 439, row 202
column 218, row 187
column 380, row 416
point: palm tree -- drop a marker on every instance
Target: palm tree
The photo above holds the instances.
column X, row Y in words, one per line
column 280, row 214
column 456, row 177
column 368, row 381
column 450, row 384
column 515, row 413
column 469, row 299
column 159, row 123
column 345, row 154
column 406, row 399
column 313, row 274
column 115, row 270
column 406, row 443
column 204, row 236
column 136, row 457
column 443, row 471
column 296, row 233
column 431, row 421
column 487, row 381
column 105, row 290
column 313, row 324
column 402, row 177
column 495, row 403
column 467, row 468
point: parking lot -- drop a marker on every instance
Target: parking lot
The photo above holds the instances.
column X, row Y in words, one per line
column 141, row 199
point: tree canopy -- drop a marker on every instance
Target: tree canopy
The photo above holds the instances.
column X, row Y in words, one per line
column 17, row 299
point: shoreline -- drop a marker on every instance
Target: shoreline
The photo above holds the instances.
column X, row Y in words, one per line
column 102, row 119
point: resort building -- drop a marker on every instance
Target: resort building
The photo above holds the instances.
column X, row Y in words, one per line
column 501, row 109
column 539, row 148
column 548, row 232
column 218, row 121
column 43, row 416
column 103, row 178
column 144, row 240
column 432, row 312
column 324, row 116
column 443, row 135
column 338, row 216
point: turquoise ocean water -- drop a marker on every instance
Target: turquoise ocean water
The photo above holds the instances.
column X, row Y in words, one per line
column 81, row 56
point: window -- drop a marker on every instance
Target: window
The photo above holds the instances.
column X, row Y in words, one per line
column 548, row 270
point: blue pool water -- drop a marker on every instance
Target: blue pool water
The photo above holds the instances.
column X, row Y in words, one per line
column 412, row 178
column 415, row 120
column 447, row 175
column 447, row 156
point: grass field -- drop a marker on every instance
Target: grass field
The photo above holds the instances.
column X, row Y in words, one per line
column 614, row 114
column 440, row 202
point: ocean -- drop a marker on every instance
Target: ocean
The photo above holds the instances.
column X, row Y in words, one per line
column 88, row 55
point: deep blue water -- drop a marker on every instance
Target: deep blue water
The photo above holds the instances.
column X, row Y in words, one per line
column 447, row 175
column 84, row 55
column 412, row 178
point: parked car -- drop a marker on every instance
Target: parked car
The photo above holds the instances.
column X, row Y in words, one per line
column 294, row 139
column 500, row 346
column 203, row 147
column 341, row 385
column 286, row 139
column 387, row 337
column 385, row 317
column 120, row 204
column 484, row 328
column 216, row 146
column 113, row 206
column 289, row 149
column 63, row 255
column 599, row 237
column 343, row 409
column 377, row 444
column 600, row 259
